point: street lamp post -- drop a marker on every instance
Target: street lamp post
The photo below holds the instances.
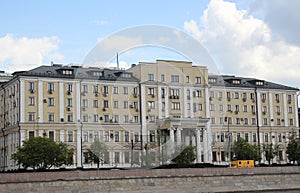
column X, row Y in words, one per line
column 81, row 125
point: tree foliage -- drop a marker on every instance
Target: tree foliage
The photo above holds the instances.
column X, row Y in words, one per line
column 242, row 150
column 186, row 157
column 42, row 153
column 269, row 151
column 97, row 152
column 293, row 148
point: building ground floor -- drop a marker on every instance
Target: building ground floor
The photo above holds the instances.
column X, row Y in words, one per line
column 136, row 145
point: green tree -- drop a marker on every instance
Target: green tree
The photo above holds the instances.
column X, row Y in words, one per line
column 186, row 157
column 269, row 152
column 97, row 153
column 242, row 150
column 42, row 153
column 293, row 148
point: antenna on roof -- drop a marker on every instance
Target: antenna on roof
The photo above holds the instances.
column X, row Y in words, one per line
column 118, row 67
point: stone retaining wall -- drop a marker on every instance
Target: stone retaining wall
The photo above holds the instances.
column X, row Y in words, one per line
column 162, row 180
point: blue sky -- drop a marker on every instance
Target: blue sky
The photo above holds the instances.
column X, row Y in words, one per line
column 243, row 37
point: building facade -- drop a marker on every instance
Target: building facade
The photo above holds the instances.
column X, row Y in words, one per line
column 149, row 108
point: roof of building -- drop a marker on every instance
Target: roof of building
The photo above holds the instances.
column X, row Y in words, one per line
column 233, row 81
column 78, row 72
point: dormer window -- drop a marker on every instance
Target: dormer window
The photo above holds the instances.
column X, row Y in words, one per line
column 259, row 83
column 236, row 81
column 97, row 73
column 212, row 80
column 126, row 75
column 67, row 72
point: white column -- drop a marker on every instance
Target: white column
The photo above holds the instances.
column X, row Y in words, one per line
column 198, row 145
column 178, row 136
column 79, row 147
column 207, row 111
column 172, row 139
column 271, row 106
column 258, row 110
column 62, row 135
column 295, row 110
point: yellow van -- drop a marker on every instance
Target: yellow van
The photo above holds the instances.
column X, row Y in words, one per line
column 242, row 164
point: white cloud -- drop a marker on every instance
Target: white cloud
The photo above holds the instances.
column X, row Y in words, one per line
column 244, row 45
column 25, row 53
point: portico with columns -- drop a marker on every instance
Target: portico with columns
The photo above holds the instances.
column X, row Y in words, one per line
column 177, row 132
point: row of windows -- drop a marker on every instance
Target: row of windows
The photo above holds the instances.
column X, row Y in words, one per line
column 107, row 136
column 174, row 78
column 223, row 136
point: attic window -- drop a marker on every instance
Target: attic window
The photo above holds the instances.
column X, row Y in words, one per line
column 97, row 73
column 67, row 72
column 126, row 75
column 236, row 81
column 212, row 80
column 259, row 83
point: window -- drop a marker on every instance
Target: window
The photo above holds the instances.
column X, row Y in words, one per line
column 85, row 136
column 246, row 121
column 95, row 89
column 106, row 136
column 290, row 110
column 212, row 94
column 126, row 157
column 252, row 96
column 85, row 118
column 238, row 136
column 116, row 104
column 289, row 98
column 105, row 104
column 266, row 137
column 150, row 91
column 253, row 109
column 228, row 95
column 126, row 136
column 277, row 97
column 244, row 96
column 278, row 109
column 50, row 101
column 31, row 134
column 264, row 109
column 125, row 105
column 278, row 121
column 254, row 137
column 51, row 117
column 152, row 136
column 291, row 122
column 238, row 121
column 70, row 117
column 265, row 121
column 245, row 108
column 69, row 102
column 116, row 119
column 236, row 95
column 151, row 104
column 84, row 88
column 96, row 135
column 263, row 97
column 222, row 137
column 31, row 86
column 220, row 95
column 31, row 116
column 213, row 120
column 236, row 81
column 198, row 93
column 95, row 103
column 115, row 90
column 279, row 137
column 96, row 118
column 136, row 136
column 31, row 101
column 237, row 108
column 162, row 77
column 221, row 108
column 69, row 87
column 247, row 137
column 50, row 87
column 253, row 121
column 229, row 108
column 175, row 105
column 105, row 89
column 117, row 136
column 150, row 77
column 70, row 136
column 85, row 103
column 106, row 118
column 126, row 118
column 212, row 80
column 125, row 90
column 211, row 107
column 198, row 80
column 117, row 157
column 136, row 119
column 174, row 78
column 187, row 79
column 174, row 92
column 51, row 135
